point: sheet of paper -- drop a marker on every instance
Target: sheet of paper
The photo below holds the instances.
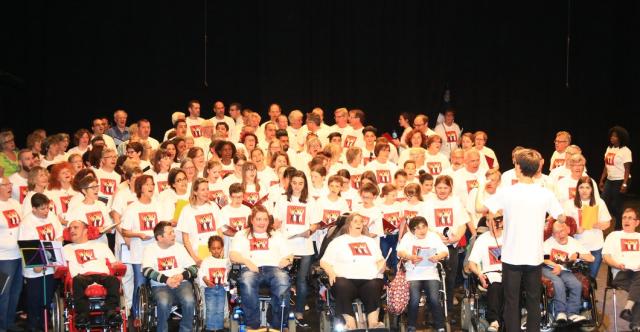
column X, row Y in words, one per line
column 425, row 253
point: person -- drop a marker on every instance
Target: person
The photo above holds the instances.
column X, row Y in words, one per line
column 565, row 188
column 212, row 276
column 120, row 132
column 144, row 132
column 108, row 178
column 18, row 179
column 330, row 207
column 560, row 250
column 449, row 131
column 60, row 190
column 615, row 176
column 91, row 210
column 175, row 198
column 81, row 139
column 89, row 263
column 435, row 160
column 381, row 165
column 169, row 268
column 404, row 120
column 264, row 253
column 10, row 261
column 39, row 283
column 488, row 158
column 354, row 264
column 98, row 130
column 471, row 176
column 524, row 206
column 561, row 142
column 194, row 120
column 421, row 123
column 474, row 203
column 422, row 273
column 8, row 154
column 484, row 262
column 621, row 252
column 369, row 211
column 411, row 206
column 37, row 182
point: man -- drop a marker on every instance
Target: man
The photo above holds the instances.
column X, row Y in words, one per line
column 269, row 135
column 170, row 267
column 236, row 115
column 218, row 109
column 274, row 112
column 313, row 127
column 621, row 252
column 206, row 130
column 97, row 127
column 469, row 177
column 559, row 251
column 509, row 178
column 449, row 131
column 175, row 117
column 19, row 186
column 144, row 132
column 295, row 124
column 341, row 116
column 484, row 262
column 562, row 141
column 564, row 170
column 319, row 112
column 524, row 205
column 120, row 132
column 89, row 263
column 487, row 156
column 421, row 122
column 108, row 178
column 193, row 120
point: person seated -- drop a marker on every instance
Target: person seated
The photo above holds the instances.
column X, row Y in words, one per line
column 264, row 253
column 485, row 263
column 560, row 250
column 354, row 264
column 422, row 273
column 621, row 252
column 170, row 267
column 88, row 264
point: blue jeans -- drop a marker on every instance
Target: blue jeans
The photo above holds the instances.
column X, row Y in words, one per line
column 595, row 266
column 9, row 299
column 432, row 292
column 138, row 280
column 561, row 283
column 278, row 282
column 389, row 242
column 215, row 298
column 165, row 297
column 302, row 285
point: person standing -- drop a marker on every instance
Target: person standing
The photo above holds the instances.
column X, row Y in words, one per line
column 616, row 172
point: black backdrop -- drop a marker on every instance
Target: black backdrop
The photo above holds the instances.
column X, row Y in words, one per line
column 63, row 62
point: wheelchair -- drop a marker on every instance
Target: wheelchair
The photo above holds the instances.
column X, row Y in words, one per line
column 63, row 314
column 147, row 308
column 474, row 305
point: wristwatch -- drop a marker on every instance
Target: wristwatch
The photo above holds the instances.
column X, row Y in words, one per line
column 624, row 185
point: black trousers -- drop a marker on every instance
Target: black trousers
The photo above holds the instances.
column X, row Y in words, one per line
column 110, row 283
column 495, row 301
column 346, row 290
column 630, row 281
column 37, row 295
column 450, row 280
column 514, row 279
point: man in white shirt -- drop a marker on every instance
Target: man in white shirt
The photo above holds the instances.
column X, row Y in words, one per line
column 219, row 109
column 341, row 116
column 235, row 112
column 421, row 122
column 273, row 112
column 18, row 180
column 562, row 141
column 97, row 126
column 144, row 132
column 193, row 120
column 295, row 123
column 469, row 177
column 449, row 131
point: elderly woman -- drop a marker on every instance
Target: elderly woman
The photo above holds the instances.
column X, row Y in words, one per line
column 8, row 154
column 354, row 264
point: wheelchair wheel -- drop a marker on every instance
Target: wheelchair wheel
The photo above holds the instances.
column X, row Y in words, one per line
column 198, row 316
column 465, row 315
column 145, row 311
column 324, row 321
column 58, row 312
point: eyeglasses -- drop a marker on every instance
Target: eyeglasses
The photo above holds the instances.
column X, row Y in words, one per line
column 93, row 187
column 181, row 179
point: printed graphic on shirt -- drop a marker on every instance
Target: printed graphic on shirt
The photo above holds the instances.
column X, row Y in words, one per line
column 349, row 202
column 408, row 214
column 349, row 141
column 330, row 216
column 609, row 158
column 52, row 207
column 393, row 218
column 23, row 193
column 572, row 193
column 206, row 223
column 296, row 214
column 355, row 181
column 383, row 175
column 162, row 186
column 494, row 255
column 435, row 167
column 46, row 232
column 258, row 244
column 558, row 256
column 414, row 249
column 443, row 217
column 148, row 220
column 514, row 181
column 64, row 203
column 196, row 131
column 167, row 263
column 365, row 220
column 225, row 172
column 557, row 163
column 452, row 136
column 216, row 275
column 108, row 186
column 471, row 184
column 238, row 223
column 95, row 219
column 218, row 197
column 251, row 197
column 12, row 217
column 359, row 249
column 84, row 255
column 629, row 245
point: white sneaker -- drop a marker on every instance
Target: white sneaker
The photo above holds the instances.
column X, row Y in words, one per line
column 577, row 318
column 561, row 318
column 455, row 301
column 423, row 301
column 494, row 327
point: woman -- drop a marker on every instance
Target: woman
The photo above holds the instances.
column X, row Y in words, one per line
column 313, row 146
column 60, row 190
column 415, row 139
column 405, row 120
column 52, row 149
column 250, row 141
column 181, row 148
column 161, row 164
column 435, row 161
column 198, row 221
column 217, row 190
column 91, row 211
column 266, row 174
column 616, row 174
column 37, row 182
column 81, row 139
column 488, row 158
column 76, row 162
column 10, row 258
column 592, row 218
column 134, row 152
column 175, row 198
column 293, row 216
column 274, row 147
column 172, row 152
column 381, row 165
column 196, row 154
column 279, row 159
column 8, row 154
column 264, row 254
column 354, row 264
column 466, row 141
column 189, row 168
column 75, row 185
column 226, row 150
column 34, row 143
column 254, row 190
column 565, row 188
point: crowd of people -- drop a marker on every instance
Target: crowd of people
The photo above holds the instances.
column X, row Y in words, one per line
column 262, row 193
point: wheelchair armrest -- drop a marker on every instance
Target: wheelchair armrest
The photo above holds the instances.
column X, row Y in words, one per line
column 118, row 269
column 61, row 272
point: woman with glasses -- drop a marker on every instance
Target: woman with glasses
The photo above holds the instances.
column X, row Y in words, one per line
column 91, row 211
column 175, row 198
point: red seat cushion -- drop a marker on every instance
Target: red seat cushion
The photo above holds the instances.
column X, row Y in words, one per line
column 95, row 290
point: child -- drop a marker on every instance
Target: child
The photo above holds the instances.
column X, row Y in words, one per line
column 216, row 186
column 235, row 215
column 371, row 214
column 213, row 278
column 391, row 214
column 330, row 207
column 426, row 183
column 410, row 207
column 399, row 181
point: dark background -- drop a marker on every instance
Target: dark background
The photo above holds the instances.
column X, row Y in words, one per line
column 64, row 62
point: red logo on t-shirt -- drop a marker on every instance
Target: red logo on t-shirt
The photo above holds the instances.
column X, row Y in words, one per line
column 258, row 244
column 206, row 223
column 167, row 263
column 365, row 220
column 494, row 255
column 514, row 181
column 238, row 223
column 383, row 175
column 471, row 184
column 330, row 216
column 218, row 197
column 46, row 232
column 443, row 217
column 558, row 256
column 629, row 245
column 572, row 193
column 12, row 217
column 557, row 163
column 452, row 136
column 359, row 249
column 23, row 193
column 251, row 197
column 355, row 181
column 408, row 214
column 393, row 218
column 84, row 255
column 434, row 167
column 296, row 214
column 349, row 141
column 225, row 172
column 148, row 220
column 196, row 131
column 108, row 186
column 349, row 202
column 609, row 158
column 162, row 186
column 95, row 219
column 216, row 275
column 64, row 203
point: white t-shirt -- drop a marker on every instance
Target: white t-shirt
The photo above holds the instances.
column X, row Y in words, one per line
column 88, row 257
column 169, row 262
column 193, row 126
column 9, row 225
column 411, row 244
column 446, row 214
column 557, row 160
column 488, row 158
column 449, row 135
column 228, row 120
column 19, row 187
column 328, row 212
column 140, row 218
column 200, row 223
column 486, row 253
column 355, row 173
column 216, row 269
column 296, row 217
column 108, row 182
column 123, row 198
column 624, row 248
column 61, row 198
column 411, row 210
column 591, row 239
column 614, row 160
column 372, row 218
column 260, row 249
column 352, row 197
column 477, row 195
column 235, row 218
column 316, row 193
column 354, row 257
column 392, row 213
column 34, row 228
column 96, row 215
column 559, row 173
column 435, row 164
column 562, row 252
column 508, row 178
column 384, row 172
column 464, row 181
column 524, row 207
